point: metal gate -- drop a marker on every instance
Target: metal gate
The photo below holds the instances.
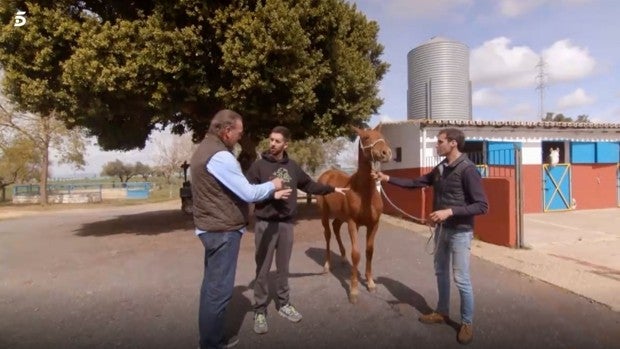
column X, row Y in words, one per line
column 557, row 194
column 505, row 159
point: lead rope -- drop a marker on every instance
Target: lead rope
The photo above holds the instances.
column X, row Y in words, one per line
column 439, row 229
column 376, row 166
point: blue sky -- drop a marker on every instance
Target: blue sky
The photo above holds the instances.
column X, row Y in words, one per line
column 579, row 40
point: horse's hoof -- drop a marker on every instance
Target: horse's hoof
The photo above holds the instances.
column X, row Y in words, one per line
column 326, row 269
column 372, row 289
column 353, row 298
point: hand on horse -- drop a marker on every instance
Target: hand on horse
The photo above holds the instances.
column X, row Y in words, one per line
column 378, row 175
column 282, row 194
column 342, row 191
column 440, row 215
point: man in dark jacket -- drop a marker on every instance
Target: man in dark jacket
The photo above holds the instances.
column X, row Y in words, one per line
column 274, row 224
column 458, row 196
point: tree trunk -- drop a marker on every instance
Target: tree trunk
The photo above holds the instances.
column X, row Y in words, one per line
column 43, row 178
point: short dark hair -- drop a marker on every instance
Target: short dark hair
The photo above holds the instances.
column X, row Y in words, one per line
column 283, row 131
column 454, row 134
column 222, row 119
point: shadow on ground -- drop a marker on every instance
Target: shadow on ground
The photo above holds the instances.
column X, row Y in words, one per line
column 404, row 295
column 238, row 307
column 340, row 268
column 147, row 223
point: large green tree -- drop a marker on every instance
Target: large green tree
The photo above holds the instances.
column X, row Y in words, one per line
column 123, row 69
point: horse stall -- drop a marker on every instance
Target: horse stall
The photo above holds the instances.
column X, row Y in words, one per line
column 537, row 166
column 557, row 177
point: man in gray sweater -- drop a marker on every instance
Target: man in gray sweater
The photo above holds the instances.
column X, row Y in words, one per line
column 274, row 225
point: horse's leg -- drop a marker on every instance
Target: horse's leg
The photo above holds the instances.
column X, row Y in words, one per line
column 370, row 248
column 328, row 237
column 336, row 224
column 355, row 259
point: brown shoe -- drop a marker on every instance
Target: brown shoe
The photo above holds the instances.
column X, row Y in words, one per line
column 433, row 318
column 466, row 334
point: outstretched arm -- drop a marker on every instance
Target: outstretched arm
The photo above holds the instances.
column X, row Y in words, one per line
column 422, row 181
column 305, row 183
column 226, row 169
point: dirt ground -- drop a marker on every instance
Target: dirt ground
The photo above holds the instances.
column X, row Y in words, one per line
column 128, row 277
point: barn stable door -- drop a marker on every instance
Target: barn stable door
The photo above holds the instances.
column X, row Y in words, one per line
column 557, row 187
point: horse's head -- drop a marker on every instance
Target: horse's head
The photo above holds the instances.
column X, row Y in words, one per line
column 374, row 145
column 554, row 156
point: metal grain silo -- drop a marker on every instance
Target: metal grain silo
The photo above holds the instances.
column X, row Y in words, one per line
column 438, row 81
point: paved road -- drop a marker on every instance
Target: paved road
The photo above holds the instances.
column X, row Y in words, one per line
column 129, row 277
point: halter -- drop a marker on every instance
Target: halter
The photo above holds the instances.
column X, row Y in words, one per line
column 373, row 143
column 375, row 165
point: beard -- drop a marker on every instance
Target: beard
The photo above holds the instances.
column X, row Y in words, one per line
column 275, row 151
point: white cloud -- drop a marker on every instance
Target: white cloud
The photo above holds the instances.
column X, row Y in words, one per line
column 523, row 111
column 577, row 98
column 422, row 8
column 486, row 97
column 566, row 62
column 379, row 118
column 498, row 64
column 515, row 8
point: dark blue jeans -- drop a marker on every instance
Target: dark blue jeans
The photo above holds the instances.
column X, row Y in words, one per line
column 221, row 252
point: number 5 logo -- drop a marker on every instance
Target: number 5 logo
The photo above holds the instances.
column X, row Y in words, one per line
column 20, row 18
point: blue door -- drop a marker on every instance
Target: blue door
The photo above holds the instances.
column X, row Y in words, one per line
column 557, row 187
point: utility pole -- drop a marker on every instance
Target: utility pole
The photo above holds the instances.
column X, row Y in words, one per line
column 541, row 85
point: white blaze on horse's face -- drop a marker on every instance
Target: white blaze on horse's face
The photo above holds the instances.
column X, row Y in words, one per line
column 554, row 156
column 374, row 145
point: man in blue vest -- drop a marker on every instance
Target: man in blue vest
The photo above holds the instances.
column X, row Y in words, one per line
column 221, row 194
column 458, row 197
